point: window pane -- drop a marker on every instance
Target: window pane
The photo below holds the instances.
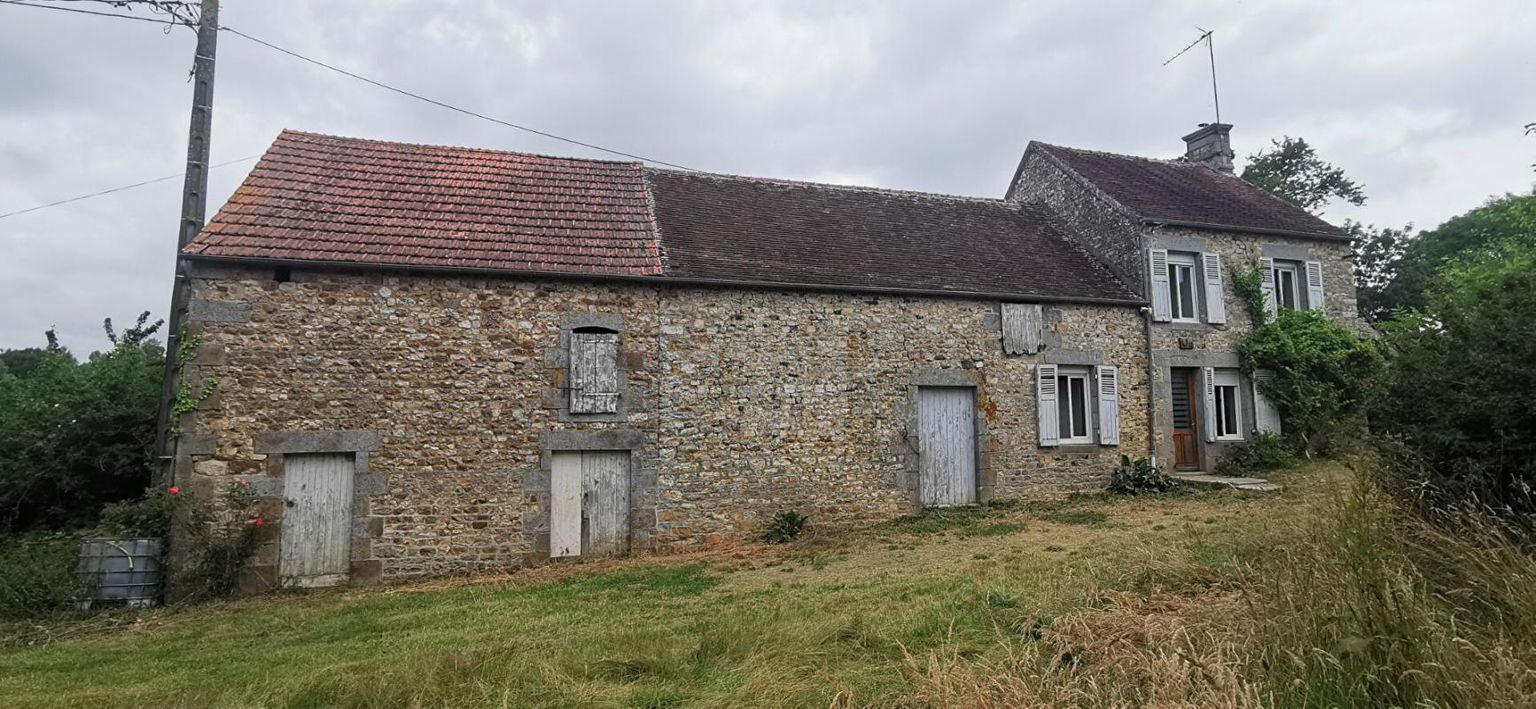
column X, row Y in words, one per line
column 1063, row 409
column 1173, row 291
column 1286, row 282
column 1226, row 406
column 1186, row 292
column 1079, row 407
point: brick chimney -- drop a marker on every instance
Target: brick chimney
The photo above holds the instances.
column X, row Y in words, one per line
column 1212, row 145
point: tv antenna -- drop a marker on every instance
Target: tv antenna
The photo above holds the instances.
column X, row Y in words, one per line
column 1206, row 36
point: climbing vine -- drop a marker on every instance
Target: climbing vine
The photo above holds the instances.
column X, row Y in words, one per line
column 1323, row 375
column 1249, row 285
column 188, row 398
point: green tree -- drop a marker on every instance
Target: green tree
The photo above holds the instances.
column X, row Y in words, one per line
column 77, row 435
column 1292, row 171
column 1506, row 219
column 1377, row 252
column 1463, row 382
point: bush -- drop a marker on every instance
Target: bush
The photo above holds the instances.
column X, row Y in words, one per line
column 1139, row 477
column 37, row 574
column 1323, row 379
column 75, row 436
column 1462, row 386
column 1263, row 453
column 149, row 516
column 785, row 527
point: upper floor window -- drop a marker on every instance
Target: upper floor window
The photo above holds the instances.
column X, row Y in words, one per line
column 1185, row 285
column 1297, row 285
column 1183, row 303
column 594, row 371
column 1286, row 295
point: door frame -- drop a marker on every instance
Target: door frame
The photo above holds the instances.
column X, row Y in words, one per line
column 643, row 522
column 905, row 440
column 970, row 392
column 1190, row 376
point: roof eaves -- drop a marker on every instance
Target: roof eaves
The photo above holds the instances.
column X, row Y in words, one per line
column 670, row 280
column 1211, row 226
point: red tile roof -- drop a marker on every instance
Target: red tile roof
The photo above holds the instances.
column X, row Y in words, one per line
column 1179, row 191
column 324, row 198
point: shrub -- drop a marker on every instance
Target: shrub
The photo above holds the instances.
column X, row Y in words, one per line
column 149, row 516
column 1323, row 376
column 37, row 574
column 1263, row 453
column 215, row 541
column 75, row 436
column 785, row 527
column 1462, row 386
column 1139, row 477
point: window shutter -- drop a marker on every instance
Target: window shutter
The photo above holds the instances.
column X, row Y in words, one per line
column 1162, row 309
column 1266, row 416
column 1267, row 271
column 1045, row 397
column 594, row 372
column 1210, row 404
column 1215, row 303
column 1023, row 328
column 1314, row 285
column 1109, row 406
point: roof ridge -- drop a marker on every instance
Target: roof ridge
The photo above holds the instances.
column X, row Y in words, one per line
column 782, row 182
column 1176, row 162
column 404, row 144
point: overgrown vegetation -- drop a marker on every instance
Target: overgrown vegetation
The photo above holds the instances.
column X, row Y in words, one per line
column 1324, row 595
column 75, row 436
column 1139, row 477
column 1261, row 453
column 785, row 527
column 1323, row 373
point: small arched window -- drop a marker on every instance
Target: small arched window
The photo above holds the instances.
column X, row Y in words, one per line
column 594, row 371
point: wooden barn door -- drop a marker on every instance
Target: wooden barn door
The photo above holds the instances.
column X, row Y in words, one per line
column 316, row 541
column 946, row 427
column 589, row 503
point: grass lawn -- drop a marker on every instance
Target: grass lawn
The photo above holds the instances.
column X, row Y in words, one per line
column 884, row 616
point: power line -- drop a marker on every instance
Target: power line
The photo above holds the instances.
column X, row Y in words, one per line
column 449, row 106
column 173, row 20
column 120, row 189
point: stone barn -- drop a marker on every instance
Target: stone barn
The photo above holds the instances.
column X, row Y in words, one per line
column 435, row 360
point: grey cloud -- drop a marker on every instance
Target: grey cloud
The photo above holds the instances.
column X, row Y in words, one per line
column 937, row 96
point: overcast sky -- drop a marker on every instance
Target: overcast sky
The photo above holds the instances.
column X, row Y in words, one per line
column 1422, row 103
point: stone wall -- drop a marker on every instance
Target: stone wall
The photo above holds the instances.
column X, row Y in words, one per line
column 1204, row 345
column 1094, row 221
column 737, row 404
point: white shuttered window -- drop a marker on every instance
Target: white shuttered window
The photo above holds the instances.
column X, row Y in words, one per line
column 1108, row 385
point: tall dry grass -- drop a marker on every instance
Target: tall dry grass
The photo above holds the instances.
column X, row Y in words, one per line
column 1350, row 603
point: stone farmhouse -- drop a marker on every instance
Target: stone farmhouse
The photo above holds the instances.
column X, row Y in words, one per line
column 435, row 360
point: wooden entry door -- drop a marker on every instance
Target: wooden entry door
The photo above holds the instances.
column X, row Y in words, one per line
column 316, row 539
column 1186, row 434
column 589, row 503
column 946, row 426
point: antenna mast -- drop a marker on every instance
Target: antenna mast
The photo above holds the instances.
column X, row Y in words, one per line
column 1207, row 36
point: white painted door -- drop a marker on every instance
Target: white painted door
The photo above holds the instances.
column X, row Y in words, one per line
column 316, row 540
column 589, row 503
column 946, row 426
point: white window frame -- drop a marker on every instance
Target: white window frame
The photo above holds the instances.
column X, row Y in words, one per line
column 1065, row 376
column 1227, row 387
column 1178, row 262
column 1294, row 270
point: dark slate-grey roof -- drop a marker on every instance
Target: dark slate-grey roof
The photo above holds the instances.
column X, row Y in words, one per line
column 1186, row 192
column 728, row 228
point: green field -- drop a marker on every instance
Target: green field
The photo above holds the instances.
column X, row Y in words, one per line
column 1089, row 601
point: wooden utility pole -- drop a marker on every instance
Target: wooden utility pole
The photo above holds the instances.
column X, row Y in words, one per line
column 194, row 205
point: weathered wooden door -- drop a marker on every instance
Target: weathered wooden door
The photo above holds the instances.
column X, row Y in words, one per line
column 316, row 540
column 946, row 440
column 589, row 503
column 1186, row 438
